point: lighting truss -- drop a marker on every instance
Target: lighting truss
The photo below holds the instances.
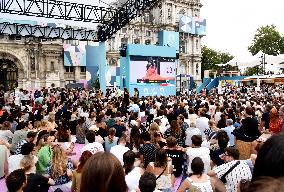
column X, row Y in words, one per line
column 124, row 14
column 111, row 20
column 58, row 10
column 47, row 32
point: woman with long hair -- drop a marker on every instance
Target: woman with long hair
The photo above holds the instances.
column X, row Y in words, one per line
column 163, row 171
column 110, row 140
column 64, row 133
column 154, row 128
column 81, row 131
column 176, row 132
column 222, row 122
column 63, row 136
column 103, row 173
column 77, row 174
column 60, row 168
column 132, row 173
column 199, row 180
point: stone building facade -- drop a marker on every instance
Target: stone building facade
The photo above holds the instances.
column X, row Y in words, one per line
column 32, row 63
column 35, row 63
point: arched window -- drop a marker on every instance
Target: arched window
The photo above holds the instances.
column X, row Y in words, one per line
column 180, row 14
column 112, row 62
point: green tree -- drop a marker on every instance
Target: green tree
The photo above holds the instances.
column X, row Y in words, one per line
column 211, row 57
column 267, row 40
column 250, row 71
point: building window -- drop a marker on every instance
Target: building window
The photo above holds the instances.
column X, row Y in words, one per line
column 183, row 47
column 197, row 44
column 124, row 42
column 52, row 66
column 136, row 31
column 148, row 42
column 136, row 41
column 180, row 14
column 70, row 82
column 148, row 33
column 169, row 13
column 124, row 30
column 83, row 69
column 69, row 69
column 147, row 18
column 112, row 62
column 161, row 16
column 111, row 44
column 197, row 69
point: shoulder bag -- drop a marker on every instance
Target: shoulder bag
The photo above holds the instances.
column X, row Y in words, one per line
column 223, row 178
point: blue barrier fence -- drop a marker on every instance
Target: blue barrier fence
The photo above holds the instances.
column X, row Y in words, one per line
column 206, row 81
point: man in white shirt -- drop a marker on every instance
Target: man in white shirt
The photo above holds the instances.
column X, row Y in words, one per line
column 229, row 129
column 233, row 178
column 92, row 146
column 134, row 107
column 192, row 130
column 15, row 160
column 197, row 151
column 202, row 122
column 120, row 149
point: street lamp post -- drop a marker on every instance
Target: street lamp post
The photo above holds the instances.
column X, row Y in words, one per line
column 4, row 68
column 263, row 62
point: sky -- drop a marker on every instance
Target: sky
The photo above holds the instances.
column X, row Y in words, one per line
column 231, row 24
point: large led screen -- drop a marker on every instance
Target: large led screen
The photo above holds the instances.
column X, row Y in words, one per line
column 153, row 75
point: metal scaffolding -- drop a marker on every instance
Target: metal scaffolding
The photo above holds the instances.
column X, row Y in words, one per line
column 57, row 10
column 46, row 32
column 127, row 12
column 111, row 20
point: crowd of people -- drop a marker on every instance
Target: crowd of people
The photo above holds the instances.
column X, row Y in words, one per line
column 85, row 141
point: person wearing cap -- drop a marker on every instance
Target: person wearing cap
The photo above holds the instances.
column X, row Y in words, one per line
column 14, row 160
column 30, row 138
column 229, row 129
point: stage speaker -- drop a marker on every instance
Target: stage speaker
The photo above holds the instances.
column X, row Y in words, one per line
column 177, row 55
column 123, row 53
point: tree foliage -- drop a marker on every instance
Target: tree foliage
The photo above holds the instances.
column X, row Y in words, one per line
column 267, row 40
column 211, row 57
column 250, row 71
